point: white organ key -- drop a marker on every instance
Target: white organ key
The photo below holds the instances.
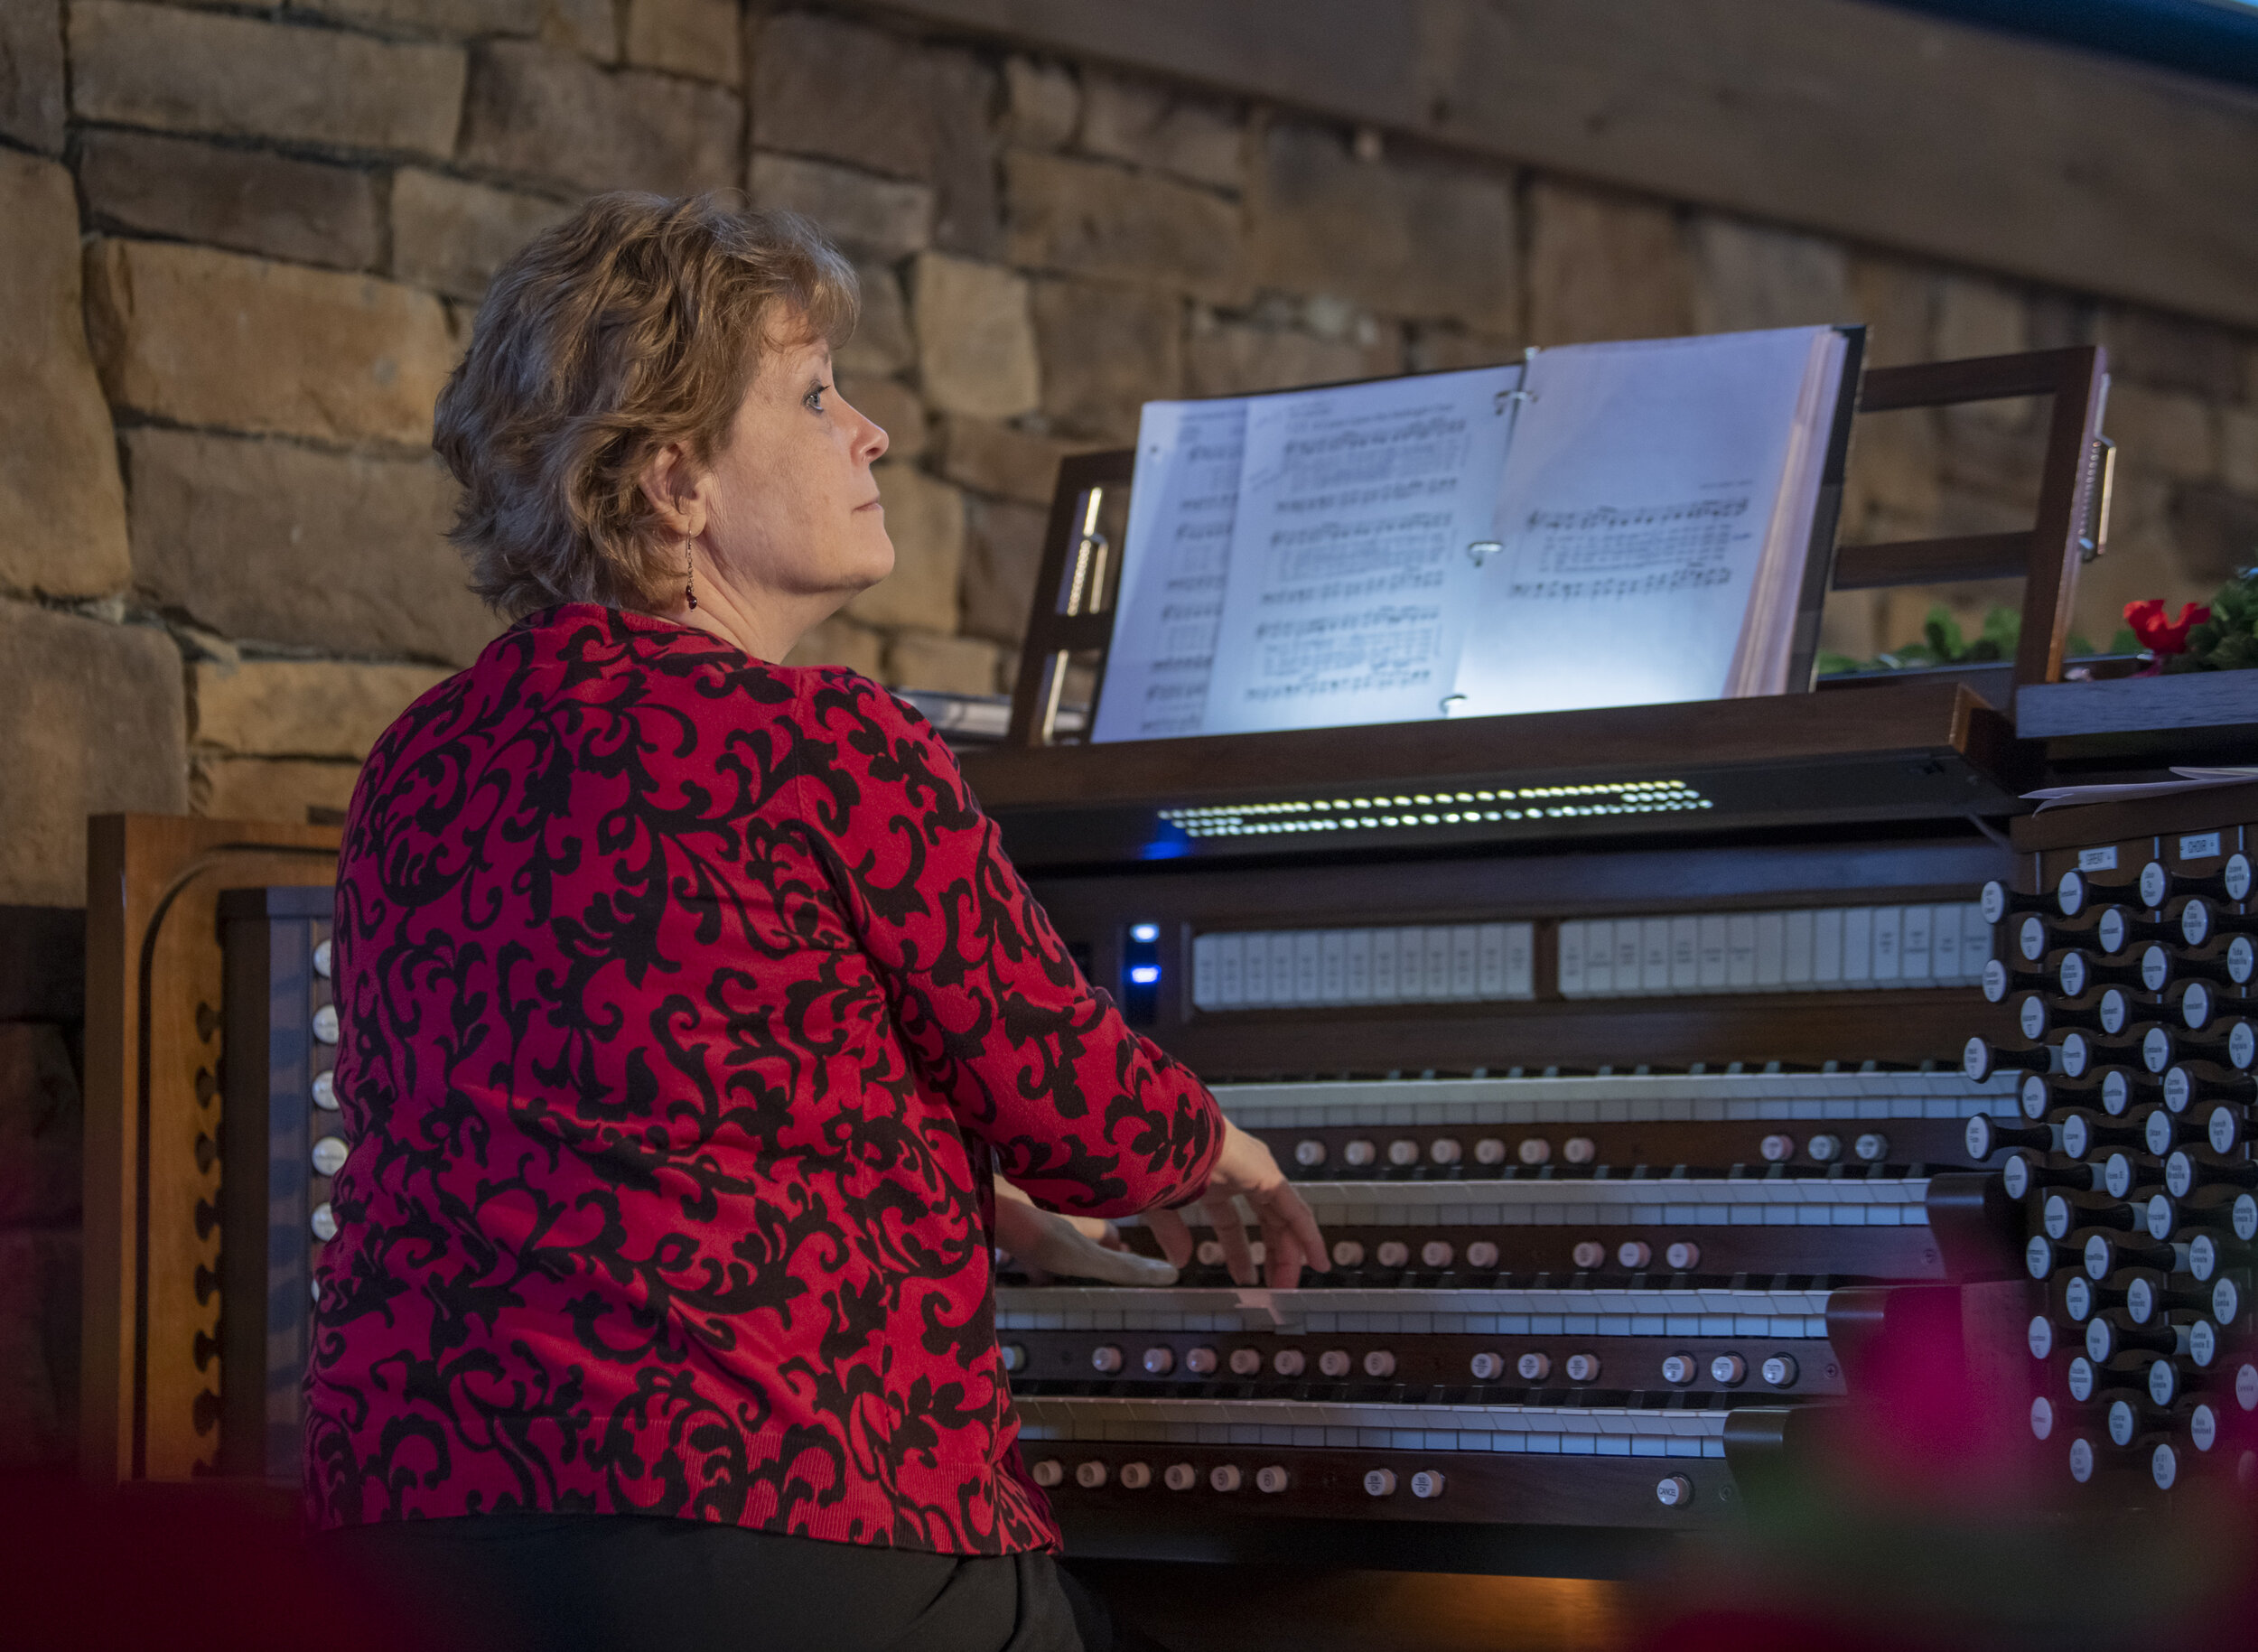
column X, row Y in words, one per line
column 1771, row 949
column 1629, row 968
column 1358, row 952
column 1438, row 964
column 1489, row 965
column 1858, row 945
column 1333, row 966
column 1599, row 960
column 1231, row 971
column 1944, row 943
column 1411, row 965
column 1975, row 941
column 1889, row 923
column 1827, row 948
column 1385, row 987
column 1740, row 950
column 1281, row 967
column 1913, row 946
column 1797, row 949
column 1654, row 955
column 1203, row 972
column 1308, row 967
column 1255, row 971
column 1572, row 959
column 1685, row 954
column 1713, row 968
column 1465, row 961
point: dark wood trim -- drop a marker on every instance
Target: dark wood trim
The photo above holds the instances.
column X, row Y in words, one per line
column 2073, row 826
column 1931, row 562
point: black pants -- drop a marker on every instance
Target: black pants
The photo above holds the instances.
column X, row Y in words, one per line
column 628, row 1584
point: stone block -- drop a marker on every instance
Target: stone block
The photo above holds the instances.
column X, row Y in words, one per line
column 841, row 642
column 894, row 406
column 997, row 459
column 1976, row 317
column 31, row 104
column 2170, row 352
column 94, row 724
column 925, row 517
column 1085, row 217
column 1043, row 104
column 313, row 708
column 450, row 235
column 2238, row 449
column 586, row 26
column 1603, row 266
column 2217, row 533
column 41, row 1126
column 881, row 343
column 951, row 665
column 275, row 542
column 1233, row 359
column 244, row 200
column 1003, row 552
column 62, row 506
column 975, row 338
column 1746, row 277
column 1425, row 241
column 271, row 788
column 184, row 71
column 39, row 1347
column 1153, row 125
column 1897, row 302
column 701, row 38
column 1107, row 350
column 541, row 112
column 195, row 336
column 883, row 218
column 967, row 211
column 2162, row 432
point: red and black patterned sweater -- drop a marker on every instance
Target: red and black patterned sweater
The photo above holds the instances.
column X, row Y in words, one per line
column 688, row 1002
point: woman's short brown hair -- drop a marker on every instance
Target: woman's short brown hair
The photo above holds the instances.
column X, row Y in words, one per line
column 637, row 322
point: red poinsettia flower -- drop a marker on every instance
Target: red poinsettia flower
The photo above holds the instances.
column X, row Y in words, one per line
column 2158, row 635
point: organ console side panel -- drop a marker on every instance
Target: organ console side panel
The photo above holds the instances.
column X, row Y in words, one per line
column 151, row 1388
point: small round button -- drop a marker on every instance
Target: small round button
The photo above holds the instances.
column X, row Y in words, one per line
column 1683, row 1256
column 1106, row 1360
column 1224, row 1477
column 1246, row 1362
column 1486, row 1367
column 323, row 954
column 329, row 1155
column 1347, row 1254
column 1674, row 1491
column 1634, row 1254
column 1046, row 1473
column 325, row 1091
column 1872, row 1148
column 1308, row 1154
column 1427, row 1483
column 1288, row 1362
column 1335, row 1363
column 1379, row 1363
column 1272, row 1479
column 1481, row 1254
column 1379, row 1482
column 1392, row 1253
column 1489, row 1150
column 1089, row 1475
column 1534, row 1368
column 1200, row 1361
column 1580, row 1150
column 1729, row 1370
column 1180, row 1476
column 1824, row 1148
column 1402, row 1152
column 324, row 1221
column 1588, row 1253
column 1777, row 1148
column 325, row 1024
column 1779, row 1371
column 1583, row 1367
column 1136, row 1476
column 1535, row 1149
column 1159, row 1361
column 1359, row 1154
column 1435, row 1254
column 1445, row 1150
column 1679, row 1369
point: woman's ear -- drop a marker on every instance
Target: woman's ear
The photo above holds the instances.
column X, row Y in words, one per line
column 676, row 486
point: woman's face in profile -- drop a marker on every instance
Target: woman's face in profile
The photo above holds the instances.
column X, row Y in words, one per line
column 793, row 508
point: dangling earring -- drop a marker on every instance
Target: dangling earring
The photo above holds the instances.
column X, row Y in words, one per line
column 689, row 574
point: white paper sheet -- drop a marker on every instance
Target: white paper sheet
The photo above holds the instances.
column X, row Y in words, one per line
column 1347, row 594
column 1178, row 547
column 1633, row 509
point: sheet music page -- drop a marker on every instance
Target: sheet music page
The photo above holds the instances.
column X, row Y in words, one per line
column 1178, row 543
column 1633, row 511
column 1348, row 581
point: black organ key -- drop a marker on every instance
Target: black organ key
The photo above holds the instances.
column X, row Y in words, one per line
column 2202, row 918
column 2184, row 1173
column 2114, row 928
column 2078, row 971
column 1997, row 902
column 2159, row 883
column 2000, row 979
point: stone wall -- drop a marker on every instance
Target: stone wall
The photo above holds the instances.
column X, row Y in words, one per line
column 243, row 245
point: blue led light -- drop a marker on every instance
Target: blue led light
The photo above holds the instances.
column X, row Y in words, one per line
column 1146, row 975
column 1144, row 931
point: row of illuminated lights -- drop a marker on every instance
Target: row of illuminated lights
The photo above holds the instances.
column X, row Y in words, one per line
column 1671, row 1491
column 1259, row 819
column 1682, row 1369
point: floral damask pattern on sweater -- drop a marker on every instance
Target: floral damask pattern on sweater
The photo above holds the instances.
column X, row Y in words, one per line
column 687, row 1002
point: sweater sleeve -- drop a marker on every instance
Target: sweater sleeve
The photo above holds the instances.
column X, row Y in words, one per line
column 1082, row 1112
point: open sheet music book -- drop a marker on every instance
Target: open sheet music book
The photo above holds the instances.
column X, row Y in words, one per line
column 1602, row 525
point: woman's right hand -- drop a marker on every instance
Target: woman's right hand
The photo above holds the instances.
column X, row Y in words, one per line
column 1246, row 1170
